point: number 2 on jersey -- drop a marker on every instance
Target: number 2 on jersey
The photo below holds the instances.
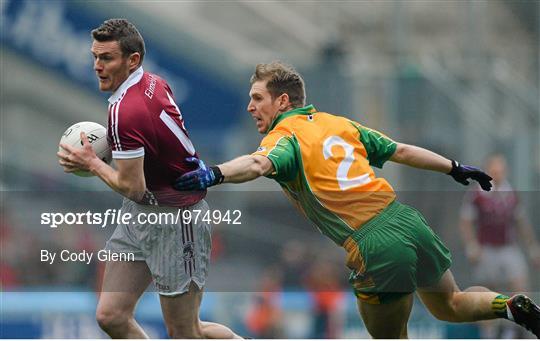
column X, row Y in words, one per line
column 344, row 182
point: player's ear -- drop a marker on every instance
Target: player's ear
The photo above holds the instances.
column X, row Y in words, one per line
column 134, row 61
column 284, row 101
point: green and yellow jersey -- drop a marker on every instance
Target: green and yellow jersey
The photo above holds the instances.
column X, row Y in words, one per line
column 324, row 164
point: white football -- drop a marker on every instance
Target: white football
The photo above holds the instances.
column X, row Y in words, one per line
column 97, row 136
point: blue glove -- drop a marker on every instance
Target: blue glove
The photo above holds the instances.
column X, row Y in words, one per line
column 461, row 173
column 200, row 178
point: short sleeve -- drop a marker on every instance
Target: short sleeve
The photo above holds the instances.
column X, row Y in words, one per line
column 126, row 132
column 280, row 150
column 379, row 147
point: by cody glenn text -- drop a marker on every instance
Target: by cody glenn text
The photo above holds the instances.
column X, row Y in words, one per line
column 86, row 257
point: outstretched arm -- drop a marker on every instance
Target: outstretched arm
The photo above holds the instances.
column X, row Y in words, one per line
column 421, row 158
column 473, row 250
column 425, row 159
column 241, row 169
column 246, row 168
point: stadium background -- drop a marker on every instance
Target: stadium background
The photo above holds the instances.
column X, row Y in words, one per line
column 461, row 78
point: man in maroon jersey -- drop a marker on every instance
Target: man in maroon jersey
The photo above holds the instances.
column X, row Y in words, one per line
column 150, row 145
column 492, row 248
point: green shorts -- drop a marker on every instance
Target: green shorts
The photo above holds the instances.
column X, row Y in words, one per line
column 393, row 254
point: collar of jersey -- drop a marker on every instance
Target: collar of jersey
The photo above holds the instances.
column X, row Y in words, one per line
column 308, row 110
column 133, row 79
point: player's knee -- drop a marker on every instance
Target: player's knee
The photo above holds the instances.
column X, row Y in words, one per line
column 386, row 333
column 446, row 312
column 446, row 315
column 178, row 332
column 109, row 320
column 212, row 330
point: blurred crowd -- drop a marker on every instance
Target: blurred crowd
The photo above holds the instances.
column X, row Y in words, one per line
column 21, row 267
column 300, row 269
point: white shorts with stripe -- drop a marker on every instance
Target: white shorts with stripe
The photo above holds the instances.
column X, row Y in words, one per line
column 176, row 254
column 498, row 266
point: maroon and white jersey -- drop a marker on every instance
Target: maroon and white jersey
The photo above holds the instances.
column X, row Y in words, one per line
column 144, row 120
column 494, row 213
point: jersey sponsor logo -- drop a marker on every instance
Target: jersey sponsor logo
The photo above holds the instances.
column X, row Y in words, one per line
column 261, row 149
column 149, row 92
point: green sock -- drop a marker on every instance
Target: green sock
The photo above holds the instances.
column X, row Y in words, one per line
column 499, row 306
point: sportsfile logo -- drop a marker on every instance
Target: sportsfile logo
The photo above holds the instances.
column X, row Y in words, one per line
column 110, row 216
column 116, row 217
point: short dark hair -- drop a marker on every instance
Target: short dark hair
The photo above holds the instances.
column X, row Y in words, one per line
column 121, row 30
column 282, row 78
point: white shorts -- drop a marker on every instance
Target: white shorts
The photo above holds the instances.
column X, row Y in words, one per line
column 176, row 254
column 499, row 265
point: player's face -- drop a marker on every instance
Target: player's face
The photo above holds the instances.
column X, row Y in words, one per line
column 496, row 168
column 262, row 107
column 112, row 69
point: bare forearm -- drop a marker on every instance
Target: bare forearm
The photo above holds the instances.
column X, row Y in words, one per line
column 421, row 158
column 467, row 233
column 473, row 249
column 244, row 168
column 127, row 179
column 111, row 177
column 527, row 234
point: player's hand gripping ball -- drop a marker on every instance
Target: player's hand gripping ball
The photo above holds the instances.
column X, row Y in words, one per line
column 97, row 137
